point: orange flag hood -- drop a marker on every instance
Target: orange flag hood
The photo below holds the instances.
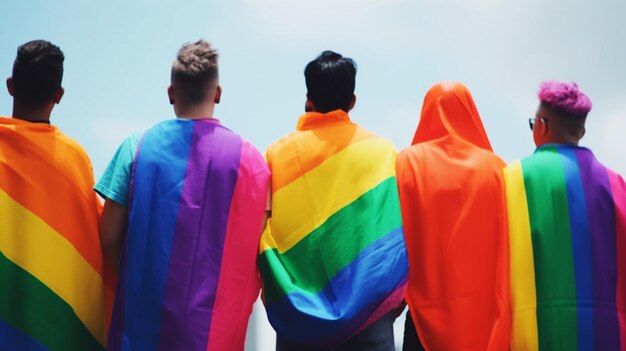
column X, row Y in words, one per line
column 454, row 217
column 449, row 112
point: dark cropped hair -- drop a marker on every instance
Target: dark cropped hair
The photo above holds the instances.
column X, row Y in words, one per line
column 330, row 81
column 37, row 72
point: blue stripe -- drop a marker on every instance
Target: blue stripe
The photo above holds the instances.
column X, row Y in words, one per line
column 581, row 246
column 15, row 339
column 152, row 221
column 348, row 299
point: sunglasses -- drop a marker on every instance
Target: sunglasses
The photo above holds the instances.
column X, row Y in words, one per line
column 532, row 121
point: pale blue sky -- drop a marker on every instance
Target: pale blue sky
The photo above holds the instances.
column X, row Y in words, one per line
column 118, row 57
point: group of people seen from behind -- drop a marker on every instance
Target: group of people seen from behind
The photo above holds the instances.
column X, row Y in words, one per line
column 336, row 229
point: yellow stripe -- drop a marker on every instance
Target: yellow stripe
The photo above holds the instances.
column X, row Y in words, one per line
column 523, row 294
column 307, row 202
column 45, row 254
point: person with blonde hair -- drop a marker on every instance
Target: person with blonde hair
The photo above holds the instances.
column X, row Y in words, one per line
column 183, row 214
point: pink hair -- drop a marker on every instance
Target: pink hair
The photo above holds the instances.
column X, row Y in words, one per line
column 565, row 97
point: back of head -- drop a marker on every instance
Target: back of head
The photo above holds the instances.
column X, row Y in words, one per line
column 330, row 82
column 37, row 72
column 565, row 98
column 195, row 72
column 565, row 108
column 449, row 111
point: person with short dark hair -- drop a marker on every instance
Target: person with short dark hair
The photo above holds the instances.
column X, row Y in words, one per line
column 333, row 260
column 330, row 83
column 567, row 227
column 51, row 272
column 184, row 210
column 453, row 208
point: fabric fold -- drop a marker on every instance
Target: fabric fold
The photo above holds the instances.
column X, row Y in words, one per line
column 332, row 258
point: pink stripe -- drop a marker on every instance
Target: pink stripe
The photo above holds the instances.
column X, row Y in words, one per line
column 619, row 197
column 393, row 301
column 239, row 282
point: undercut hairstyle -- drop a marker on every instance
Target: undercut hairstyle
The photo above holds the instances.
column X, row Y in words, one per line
column 37, row 72
column 330, row 81
column 195, row 71
column 565, row 99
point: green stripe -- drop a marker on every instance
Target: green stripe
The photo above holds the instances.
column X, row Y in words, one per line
column 29, row 305
column 546, row 192
column 313, row 261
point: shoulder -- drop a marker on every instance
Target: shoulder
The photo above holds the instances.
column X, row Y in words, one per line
column 277, row 149
column 71, row 149
column 285, row 141
column 127, row 149
column 132, row 141
column 249, row 151
column 492, row 158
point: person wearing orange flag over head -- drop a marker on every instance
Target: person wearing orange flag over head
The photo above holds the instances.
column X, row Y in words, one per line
column 52, row 291
column 455, row 226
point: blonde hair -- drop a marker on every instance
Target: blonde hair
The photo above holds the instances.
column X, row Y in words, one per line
column 195, row 70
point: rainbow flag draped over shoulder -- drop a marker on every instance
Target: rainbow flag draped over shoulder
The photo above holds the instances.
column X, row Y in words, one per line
column 333, row 259
column 567, row 222
column 51, row 271
column 189, row 275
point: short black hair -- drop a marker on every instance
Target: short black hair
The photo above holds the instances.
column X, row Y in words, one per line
column 330, row 81
column 37, row 72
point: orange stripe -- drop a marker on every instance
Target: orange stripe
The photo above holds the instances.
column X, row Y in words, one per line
column 48, row 173
column 47, row 256
column 301, row 151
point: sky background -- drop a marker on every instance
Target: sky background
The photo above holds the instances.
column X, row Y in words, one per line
column 119, row 54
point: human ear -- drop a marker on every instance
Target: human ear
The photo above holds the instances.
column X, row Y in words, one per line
column 10, row 85
column 218, row 94
column 170, row 94
column 59, row 95
column 352, row 103
column 544, row 126
column 309, row 106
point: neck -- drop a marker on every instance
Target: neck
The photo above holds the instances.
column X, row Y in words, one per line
column 561, row 141
column 195, row 111
column 30, row 113
column 563, row 138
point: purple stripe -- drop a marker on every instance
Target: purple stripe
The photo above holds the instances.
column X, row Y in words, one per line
column 198, row 243
column 601, row 214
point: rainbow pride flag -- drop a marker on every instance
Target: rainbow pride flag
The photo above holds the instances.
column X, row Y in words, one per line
column 51, row 269
column 189, row 275
column 333, row 258
column 567, row 223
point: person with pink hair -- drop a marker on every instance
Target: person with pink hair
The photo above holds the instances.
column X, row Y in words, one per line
column 567, row 235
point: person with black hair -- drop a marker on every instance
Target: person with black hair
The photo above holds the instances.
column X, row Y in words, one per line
column 36, row 81
column 51, row 271
column 333, row 260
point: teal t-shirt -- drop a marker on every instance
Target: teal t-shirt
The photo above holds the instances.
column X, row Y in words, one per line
column 115, row 182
